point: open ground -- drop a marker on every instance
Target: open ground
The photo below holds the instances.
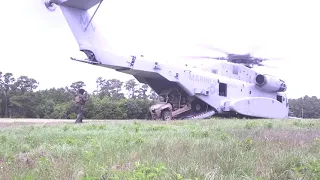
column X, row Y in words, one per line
column 137, row 149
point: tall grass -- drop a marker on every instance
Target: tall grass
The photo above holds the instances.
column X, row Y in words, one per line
column 206, row 149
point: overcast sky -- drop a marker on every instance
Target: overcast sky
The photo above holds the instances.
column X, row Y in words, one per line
column 39, row 44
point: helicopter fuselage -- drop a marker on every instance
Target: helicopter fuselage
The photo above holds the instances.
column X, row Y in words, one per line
column 225, row 88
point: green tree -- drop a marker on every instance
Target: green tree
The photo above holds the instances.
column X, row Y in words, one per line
column 153, row 95
column 75, row 86
column 7, row 84
column 115, row 87
column 130, row 86
column 143, row 92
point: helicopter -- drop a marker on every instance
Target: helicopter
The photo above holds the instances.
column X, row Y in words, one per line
column 229, row 86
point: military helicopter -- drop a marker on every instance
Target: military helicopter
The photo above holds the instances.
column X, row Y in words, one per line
column 223, row 88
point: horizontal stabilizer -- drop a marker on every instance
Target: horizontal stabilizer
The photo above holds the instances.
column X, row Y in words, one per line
column 78, row 4
column 85, row 61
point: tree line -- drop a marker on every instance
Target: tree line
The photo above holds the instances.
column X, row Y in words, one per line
column 112, row 99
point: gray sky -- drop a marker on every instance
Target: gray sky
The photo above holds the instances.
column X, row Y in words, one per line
column 39, row 44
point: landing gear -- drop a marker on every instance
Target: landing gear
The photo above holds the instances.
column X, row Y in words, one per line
column 166, row 115
column 198, row 106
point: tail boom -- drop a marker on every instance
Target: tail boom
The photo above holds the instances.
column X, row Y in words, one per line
column 92, row 42
column 83, row 28
column 78, row 4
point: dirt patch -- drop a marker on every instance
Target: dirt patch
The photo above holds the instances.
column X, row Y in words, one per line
column 8, row 123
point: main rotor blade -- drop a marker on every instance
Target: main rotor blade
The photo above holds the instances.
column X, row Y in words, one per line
column 213, row 48
column 205, row 57
column 269, row 66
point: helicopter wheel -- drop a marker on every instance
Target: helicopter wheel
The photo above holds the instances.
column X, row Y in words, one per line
column 166, row 115
column 198, row 106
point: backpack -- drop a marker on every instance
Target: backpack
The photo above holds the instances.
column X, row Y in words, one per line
column 78, row 99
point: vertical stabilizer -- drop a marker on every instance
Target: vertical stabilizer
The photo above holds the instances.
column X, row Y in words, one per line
column 82, row 24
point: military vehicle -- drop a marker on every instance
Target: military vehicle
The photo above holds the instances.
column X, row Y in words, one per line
column 227, row 87
column 173, row 105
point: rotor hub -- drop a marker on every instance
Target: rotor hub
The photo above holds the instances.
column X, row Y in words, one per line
column 49, row 5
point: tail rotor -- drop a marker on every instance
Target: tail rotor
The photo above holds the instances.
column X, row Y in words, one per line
column 50, row 5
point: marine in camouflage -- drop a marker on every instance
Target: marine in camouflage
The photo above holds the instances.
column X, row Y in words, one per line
column 80, row 99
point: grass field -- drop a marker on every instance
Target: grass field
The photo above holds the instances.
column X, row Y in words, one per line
column 203, row 149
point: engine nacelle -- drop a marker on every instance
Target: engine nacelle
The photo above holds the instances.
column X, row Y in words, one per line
column 270, row 83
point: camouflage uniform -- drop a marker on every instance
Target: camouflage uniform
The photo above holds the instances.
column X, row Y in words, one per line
column 81, row 99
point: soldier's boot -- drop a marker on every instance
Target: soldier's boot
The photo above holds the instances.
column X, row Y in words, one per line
column 79, row 119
